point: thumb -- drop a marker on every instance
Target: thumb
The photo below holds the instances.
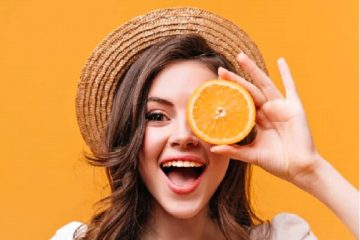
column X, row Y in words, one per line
column 245, row 153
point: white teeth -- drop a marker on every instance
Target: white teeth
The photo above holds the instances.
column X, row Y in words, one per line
column 179, row 163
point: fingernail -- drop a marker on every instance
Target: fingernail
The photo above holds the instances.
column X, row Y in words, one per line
column 241, row 55
column 223, row 69
column 212, row 149
column 281, row 60
column 215, row 148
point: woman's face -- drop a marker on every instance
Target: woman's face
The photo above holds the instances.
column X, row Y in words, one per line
column 178, row 169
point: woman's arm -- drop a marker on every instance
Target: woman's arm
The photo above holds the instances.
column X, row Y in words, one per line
column 284, row 145
column 331, row 188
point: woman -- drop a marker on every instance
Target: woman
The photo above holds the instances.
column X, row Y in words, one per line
column 131, row 110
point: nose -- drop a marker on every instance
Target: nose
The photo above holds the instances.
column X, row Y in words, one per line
column 182, row 136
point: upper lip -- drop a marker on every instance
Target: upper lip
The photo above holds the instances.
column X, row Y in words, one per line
column 190, row 158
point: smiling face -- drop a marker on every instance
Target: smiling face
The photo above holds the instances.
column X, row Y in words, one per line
column 178, row 168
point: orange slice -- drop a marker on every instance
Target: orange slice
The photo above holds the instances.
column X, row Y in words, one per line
column 221, row 112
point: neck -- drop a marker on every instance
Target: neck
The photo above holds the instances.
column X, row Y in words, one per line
column 163, row 225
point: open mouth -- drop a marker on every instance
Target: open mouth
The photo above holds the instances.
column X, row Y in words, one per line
column 183, row 173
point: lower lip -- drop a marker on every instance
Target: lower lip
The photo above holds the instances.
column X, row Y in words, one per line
column 185, row 189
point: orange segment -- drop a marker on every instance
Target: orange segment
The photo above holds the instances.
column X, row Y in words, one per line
column 221, row 112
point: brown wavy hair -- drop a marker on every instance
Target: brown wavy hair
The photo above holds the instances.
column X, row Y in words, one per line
column 126, row 210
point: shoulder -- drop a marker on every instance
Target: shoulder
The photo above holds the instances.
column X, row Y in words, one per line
column 67, row 231
column 285, row 226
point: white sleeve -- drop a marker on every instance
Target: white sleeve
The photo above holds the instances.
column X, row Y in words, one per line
column 67, row 232
column 284, row 226
column 287, row 226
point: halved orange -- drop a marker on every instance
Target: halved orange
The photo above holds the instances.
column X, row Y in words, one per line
column 221, row 112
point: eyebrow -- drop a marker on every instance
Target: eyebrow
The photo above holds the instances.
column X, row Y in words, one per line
column 160, row 100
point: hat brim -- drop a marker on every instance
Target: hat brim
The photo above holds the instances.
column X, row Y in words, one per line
column 118, row 50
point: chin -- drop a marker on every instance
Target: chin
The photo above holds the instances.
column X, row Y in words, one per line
column 184, row 210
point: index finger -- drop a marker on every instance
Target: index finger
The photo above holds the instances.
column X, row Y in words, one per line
column 264, row 83
column 257, row 95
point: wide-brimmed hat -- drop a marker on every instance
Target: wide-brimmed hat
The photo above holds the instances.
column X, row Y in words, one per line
column 118, row 50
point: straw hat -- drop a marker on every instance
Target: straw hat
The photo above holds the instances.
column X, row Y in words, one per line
column 113, row 56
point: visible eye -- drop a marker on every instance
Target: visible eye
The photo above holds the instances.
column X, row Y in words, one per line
column 156, row 116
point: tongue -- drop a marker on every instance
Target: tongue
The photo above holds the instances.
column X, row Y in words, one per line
column 182, row 176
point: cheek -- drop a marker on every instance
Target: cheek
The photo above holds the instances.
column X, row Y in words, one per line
column 153, row 143
column 220, row 166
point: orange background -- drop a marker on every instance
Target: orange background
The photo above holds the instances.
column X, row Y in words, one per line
column 43, row 45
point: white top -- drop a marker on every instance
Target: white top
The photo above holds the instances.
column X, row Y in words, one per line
column 284, row 226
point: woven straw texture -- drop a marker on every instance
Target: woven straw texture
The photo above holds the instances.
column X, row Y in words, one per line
column 118, row 50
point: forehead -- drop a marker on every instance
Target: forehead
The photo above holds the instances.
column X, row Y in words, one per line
column 180, row 77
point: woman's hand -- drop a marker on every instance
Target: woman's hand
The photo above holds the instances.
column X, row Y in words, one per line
column 283, row 145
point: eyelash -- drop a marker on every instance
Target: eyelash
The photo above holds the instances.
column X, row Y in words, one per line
column 154, row 116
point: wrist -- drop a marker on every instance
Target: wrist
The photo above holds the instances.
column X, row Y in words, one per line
column 312, row 174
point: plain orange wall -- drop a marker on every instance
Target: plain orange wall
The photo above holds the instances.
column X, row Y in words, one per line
column 44, row 44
